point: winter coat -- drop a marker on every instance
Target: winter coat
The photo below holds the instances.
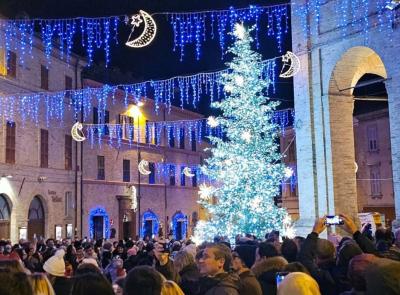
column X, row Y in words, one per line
column 383, row 278
column 167, row 270
column 265, row 270
column 131, row 262
column 221, row 284
column 249, row 284
column 189, row 279
column 62, row 285
column 331, row 278
column 106, row 259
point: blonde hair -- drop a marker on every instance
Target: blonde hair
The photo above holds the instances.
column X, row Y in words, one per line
column 41, row 285
column 171, row 288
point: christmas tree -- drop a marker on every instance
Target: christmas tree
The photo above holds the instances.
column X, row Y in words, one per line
column 246, row 165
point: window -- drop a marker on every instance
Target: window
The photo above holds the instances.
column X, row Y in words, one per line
column 12, row 64
column 100, row 168
column 44, row 77
column 375, row 175
column 171, row 138
column 171, row 174
column 127, row 127
column 10, row 143
column 101, row 118
column 193, row 140
column 148, row 132
column 68, row 85
column 44, row 148
column 156, row 135
column 152, row 175
column 182, row 138
column 292, row 152
column 372, row 135
column 126, row 170
column 68, row 152
column 69, row 204
column 183, row 179
column 194, row 178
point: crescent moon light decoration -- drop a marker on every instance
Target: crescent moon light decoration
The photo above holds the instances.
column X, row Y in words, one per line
column 143, row 166
column 149, row 31
column 290, row 59
column 188, row 172
column 76, row 130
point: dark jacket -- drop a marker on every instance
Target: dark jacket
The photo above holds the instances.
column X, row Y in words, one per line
column 131, row 262
column 249, row 284
column 106, row 259
column 62, row 286
column 221, row 284
column 383, row 278
column 265, row 270
column 167, row 270
column 189, row 279
column 331, row 279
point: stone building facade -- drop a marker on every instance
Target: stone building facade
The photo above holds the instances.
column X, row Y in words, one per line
column 373, row 165
column 50, row 184
column 38, row 181
column 333, row 58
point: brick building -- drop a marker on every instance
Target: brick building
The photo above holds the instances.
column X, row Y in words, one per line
column 52, row 186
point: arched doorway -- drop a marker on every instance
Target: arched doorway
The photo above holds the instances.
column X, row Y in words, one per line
column 36, row 219
column 150, row 224
column 340, row 145
column 179, row 225
column 99, row 225
column 5, row 215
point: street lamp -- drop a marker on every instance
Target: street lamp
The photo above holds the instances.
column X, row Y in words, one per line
column 134, row 112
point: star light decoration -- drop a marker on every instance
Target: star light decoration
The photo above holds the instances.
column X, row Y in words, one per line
column 136, row 20
column 239, row 80
column 240, row 31
column 288, row 172
column 212, row 122
column 246, row 136
column 206, row 192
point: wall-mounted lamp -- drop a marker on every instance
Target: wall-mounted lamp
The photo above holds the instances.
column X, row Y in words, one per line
column 42, row 178
column 7, row 176
column 392, row 5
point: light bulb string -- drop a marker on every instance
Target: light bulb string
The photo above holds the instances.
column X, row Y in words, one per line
column 133, row 85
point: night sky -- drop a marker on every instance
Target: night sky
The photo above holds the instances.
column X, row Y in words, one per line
column 157, row 61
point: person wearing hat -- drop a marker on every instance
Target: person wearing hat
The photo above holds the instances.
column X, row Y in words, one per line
column 241, row 263
column 55, row 270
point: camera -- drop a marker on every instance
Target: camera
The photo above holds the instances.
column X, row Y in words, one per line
column 280, row 276
column 334, row 220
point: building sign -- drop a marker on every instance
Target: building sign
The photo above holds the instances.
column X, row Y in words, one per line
column 54, row 197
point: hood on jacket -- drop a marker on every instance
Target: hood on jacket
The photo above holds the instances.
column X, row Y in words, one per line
column 267, row 264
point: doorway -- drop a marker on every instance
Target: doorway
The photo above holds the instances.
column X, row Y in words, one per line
column 98, row 226
column 36, row 219
column 5, row 214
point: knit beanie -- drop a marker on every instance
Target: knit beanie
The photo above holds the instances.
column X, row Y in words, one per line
column 55, row 265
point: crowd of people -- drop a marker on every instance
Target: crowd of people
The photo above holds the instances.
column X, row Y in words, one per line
column 357, row 263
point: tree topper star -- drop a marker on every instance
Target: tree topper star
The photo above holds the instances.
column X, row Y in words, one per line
column 136, row 20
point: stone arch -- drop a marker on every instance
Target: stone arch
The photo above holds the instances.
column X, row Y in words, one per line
column 179, row 225
column 37, row 217
column 150, row 224
column 5, row 216
column 352, row 65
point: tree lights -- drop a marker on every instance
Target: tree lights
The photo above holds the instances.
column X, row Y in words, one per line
column 244, row 202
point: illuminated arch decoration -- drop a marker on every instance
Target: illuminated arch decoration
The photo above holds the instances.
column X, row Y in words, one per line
column 99, row 211
column 150, row 215
column 179, row 217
